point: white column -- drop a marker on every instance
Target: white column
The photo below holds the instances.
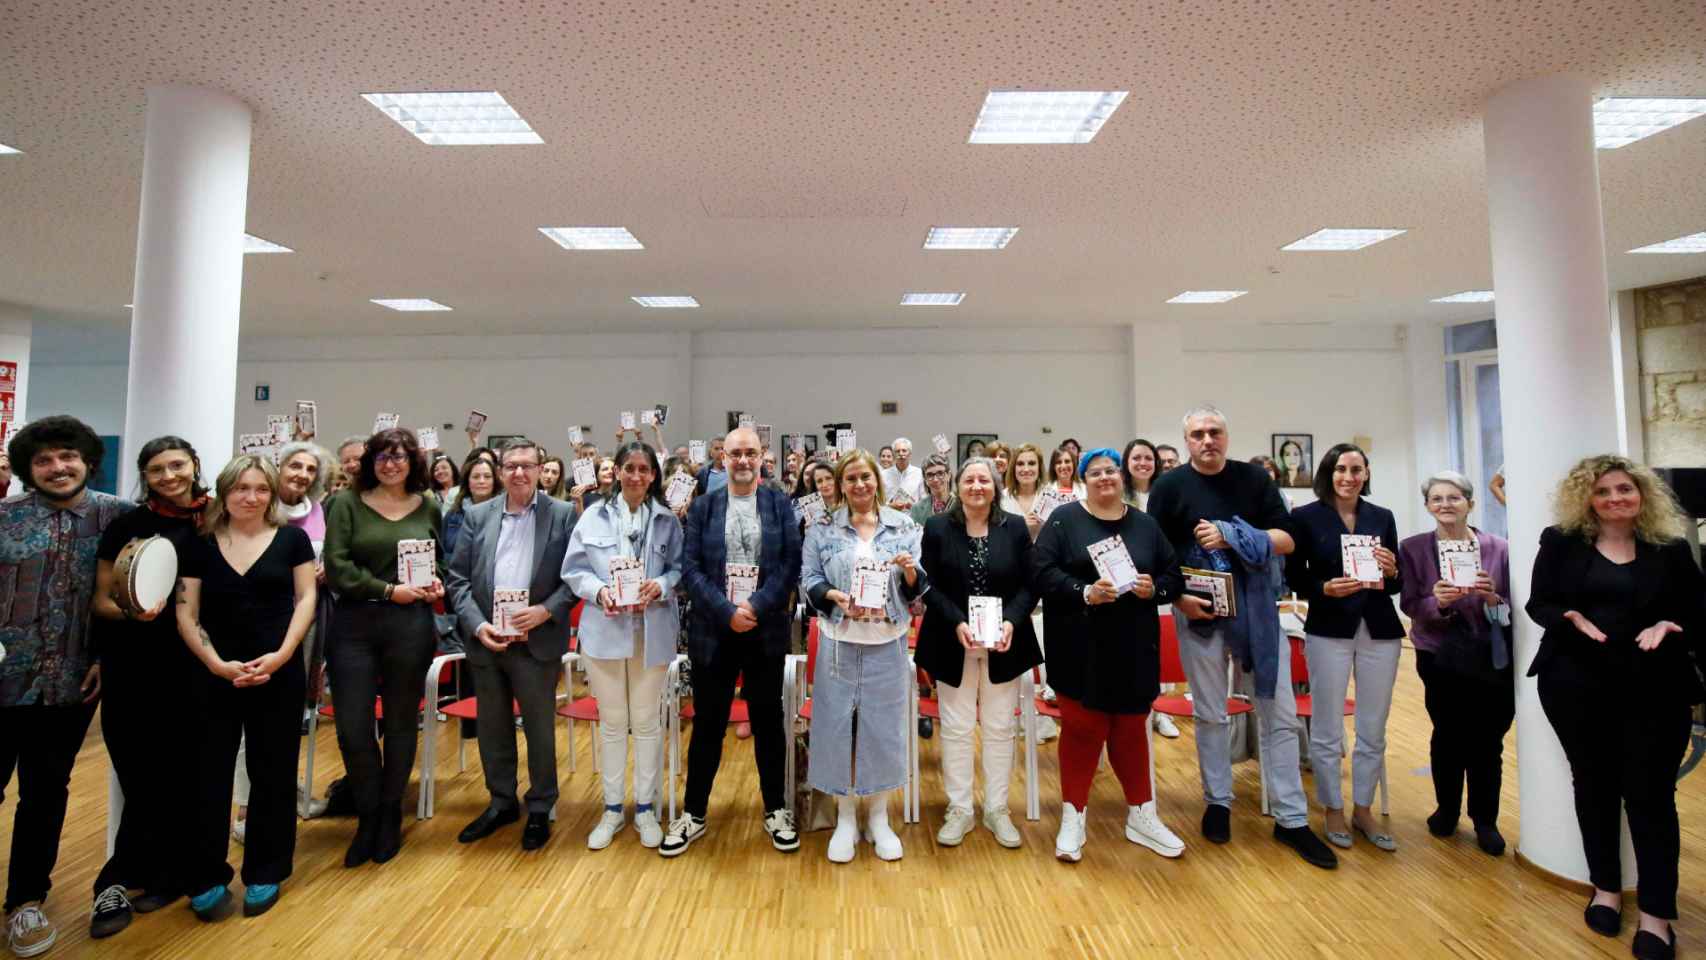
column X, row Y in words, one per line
column 189, row 275
column 1556, row 381
column 15, row 329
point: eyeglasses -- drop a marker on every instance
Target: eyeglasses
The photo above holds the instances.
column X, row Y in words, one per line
column 397, row 457
column 519, row 467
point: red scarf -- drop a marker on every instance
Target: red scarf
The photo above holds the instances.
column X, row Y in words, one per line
column 167, row 508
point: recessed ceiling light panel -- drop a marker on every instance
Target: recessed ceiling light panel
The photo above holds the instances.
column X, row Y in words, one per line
column 456, row 119
column 1620, row 121
column 1341, row 238
column 969, row 238
column 593, row 238
column 1207, row 296
column 254, row 244
column 1044, row 116
column 666, row 303
column 931, row 299
column 1467, row 296
column 1693, row 243
column 411, row 304
column 4, row 150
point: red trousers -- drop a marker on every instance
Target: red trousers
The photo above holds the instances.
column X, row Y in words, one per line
column 1083, row 732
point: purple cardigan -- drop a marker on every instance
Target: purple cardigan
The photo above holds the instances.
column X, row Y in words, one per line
column 1418, row 564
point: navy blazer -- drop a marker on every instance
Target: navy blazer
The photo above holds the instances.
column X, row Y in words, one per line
column 704, row 555
column 1317, row 559
column 946, row 550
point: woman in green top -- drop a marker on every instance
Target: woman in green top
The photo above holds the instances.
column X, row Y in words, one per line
column 382, row 635
column 937, row 497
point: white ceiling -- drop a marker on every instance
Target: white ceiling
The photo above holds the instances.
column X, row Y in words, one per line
column 782, row 162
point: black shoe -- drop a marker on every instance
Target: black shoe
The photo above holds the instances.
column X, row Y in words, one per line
column 487, row 824
column 361, row 848
column 1603, row 920
column 150, row 902
column 1217, row 823
column 1308, row 846
column 926, row 727
column 537, row 831
column 111, row 913
column 1648, row 946
column 1442, row 824
column 389, row 838
column 1490, row 840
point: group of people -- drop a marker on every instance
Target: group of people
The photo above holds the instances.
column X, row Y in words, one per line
column 283, row 579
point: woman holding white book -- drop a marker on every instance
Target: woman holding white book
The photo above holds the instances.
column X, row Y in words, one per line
column 976, row 641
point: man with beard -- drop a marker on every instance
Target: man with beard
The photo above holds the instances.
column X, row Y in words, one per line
column 48, row 681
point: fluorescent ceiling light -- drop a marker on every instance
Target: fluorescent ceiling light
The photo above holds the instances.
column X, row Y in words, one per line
column 411, row 304
column 593, row 238
column 1620, row 121
column 456, row 119
column 931, row 299
column 1693, row 243
column 1467, row 296
column 1044, row 116
column 1208, row 296
column 254, row 244
column 665, row 302
column 1340, row 238
column 969, row 238
column 5, row 150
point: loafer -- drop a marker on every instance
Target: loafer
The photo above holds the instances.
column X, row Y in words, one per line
column 1339, row 839
column 1308, row 846
column 1442, row 824
column 1217, row 824
column 1648, row 946
column 537, row 831
column 1379, row 838
column 259, row 898
column 1603, row 920
column 487, row 824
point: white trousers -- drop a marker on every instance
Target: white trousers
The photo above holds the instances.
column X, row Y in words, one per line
column 628, row 695
column 960, row 714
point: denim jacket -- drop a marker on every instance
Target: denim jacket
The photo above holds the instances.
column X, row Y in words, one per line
column 586, row 569
column 826, row 561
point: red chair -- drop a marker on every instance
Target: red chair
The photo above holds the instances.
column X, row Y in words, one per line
column 1306, row 711
column 585, row 708
column 442, row 669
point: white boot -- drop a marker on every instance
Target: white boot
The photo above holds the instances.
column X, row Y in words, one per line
column 845, row 840
column 1143, row 826
column 877, row 829
column 1069, row 843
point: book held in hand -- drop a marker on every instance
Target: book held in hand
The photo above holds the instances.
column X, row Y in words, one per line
column 846, row 441
column 870, row 587
column 811, row 509
column 415, row 559
column 576, row 435
column 627, row 575
column 307, row 417
column 427, row 437
column 1460, row 562
column 745, row 421
column 385, row 421
column 1049, row 499
column 983, row 615
column 1356, row 552
column 505, row 605
column 648, row 417
column 696, row 451
column 742, row 581
column 279, row 426
column 1215, row 586
column 627, row 419
column 476, row 422
column 1114, row 564
column 586, row 472
column 679, row 493
column 764, row 431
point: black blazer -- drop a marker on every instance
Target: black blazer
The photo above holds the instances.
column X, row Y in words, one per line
column 1668, row 587
column 947, row 554
column 703, row 575
column 1317, row 559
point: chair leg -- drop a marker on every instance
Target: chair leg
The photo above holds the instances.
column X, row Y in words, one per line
column 423, row 805
column 306, row 791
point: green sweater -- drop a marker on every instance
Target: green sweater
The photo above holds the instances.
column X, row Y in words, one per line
column 361, row 545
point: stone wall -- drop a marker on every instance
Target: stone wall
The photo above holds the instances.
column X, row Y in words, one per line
column 1671, row 321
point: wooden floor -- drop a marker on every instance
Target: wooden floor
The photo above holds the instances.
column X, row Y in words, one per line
column 733, row 895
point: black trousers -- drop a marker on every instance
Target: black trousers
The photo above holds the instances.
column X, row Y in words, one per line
column 152, row 770
column 1624, row 753
column 45, row 741
column 1470, row 719
column 270, row 716
column 516, row 677
column 379, row 650
column 713, row 692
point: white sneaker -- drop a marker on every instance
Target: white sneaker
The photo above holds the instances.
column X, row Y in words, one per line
column 1000, row 824
column 882, row 837
column 1047, row 729
column 314, row 807
column 1143, row 827
column 683, row 830
column 608, row 826
column 239, row 830
column 1164, row 725
column 29, row 931
column 779, row 824
column 955, row 826
column 651, row 832
column 844, row 842
column 1069, row 842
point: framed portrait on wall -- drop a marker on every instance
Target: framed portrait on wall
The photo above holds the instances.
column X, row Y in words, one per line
column 1294, row 454
column 972, row 445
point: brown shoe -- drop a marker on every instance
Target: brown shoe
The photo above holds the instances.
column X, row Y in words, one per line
column 29, row 930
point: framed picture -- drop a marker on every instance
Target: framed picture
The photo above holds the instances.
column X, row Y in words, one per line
column 1294, row 454
column 972, row 445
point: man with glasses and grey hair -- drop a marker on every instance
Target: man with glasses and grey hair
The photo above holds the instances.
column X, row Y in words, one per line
column 516, row 543
column 1227, row 516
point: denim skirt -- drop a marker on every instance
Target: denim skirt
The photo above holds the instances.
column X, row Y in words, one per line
column 859, row 717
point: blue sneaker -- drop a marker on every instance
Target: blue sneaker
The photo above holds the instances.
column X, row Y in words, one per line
column 212, row 904
column 259, row 898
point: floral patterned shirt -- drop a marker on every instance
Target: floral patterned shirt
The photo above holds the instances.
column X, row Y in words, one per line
column 47, row 580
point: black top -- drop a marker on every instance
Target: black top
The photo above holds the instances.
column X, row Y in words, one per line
column 139, row 641
column 1663, row 583
column 1108, row 656
column 1182, row 497
column 1318, row 558
column 247, row 614
column 1004, row 570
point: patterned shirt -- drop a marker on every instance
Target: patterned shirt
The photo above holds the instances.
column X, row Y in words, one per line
column 47, row 580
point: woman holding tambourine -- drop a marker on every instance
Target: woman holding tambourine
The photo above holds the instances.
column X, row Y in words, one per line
column 142, row 661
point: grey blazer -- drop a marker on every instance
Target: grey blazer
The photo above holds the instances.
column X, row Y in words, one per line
column 468, row 583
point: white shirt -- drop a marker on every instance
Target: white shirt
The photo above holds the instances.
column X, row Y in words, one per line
column 910, row 483
column 868, row 632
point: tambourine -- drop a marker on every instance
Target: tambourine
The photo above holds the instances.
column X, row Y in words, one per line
column 143, row 574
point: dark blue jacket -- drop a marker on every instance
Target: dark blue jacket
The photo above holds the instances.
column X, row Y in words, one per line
column 1317, row 559
column 702, row 573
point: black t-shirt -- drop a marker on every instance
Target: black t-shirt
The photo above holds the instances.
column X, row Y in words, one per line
column 122, row 639
column 247, row 614
column 1181, row 497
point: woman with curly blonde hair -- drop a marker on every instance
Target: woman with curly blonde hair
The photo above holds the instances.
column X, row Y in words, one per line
column 1617, row 590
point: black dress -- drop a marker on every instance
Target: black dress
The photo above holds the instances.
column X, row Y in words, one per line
column 1108, row 656
column 246, row 615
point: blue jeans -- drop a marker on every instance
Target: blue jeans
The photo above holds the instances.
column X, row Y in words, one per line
column 859, row 717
